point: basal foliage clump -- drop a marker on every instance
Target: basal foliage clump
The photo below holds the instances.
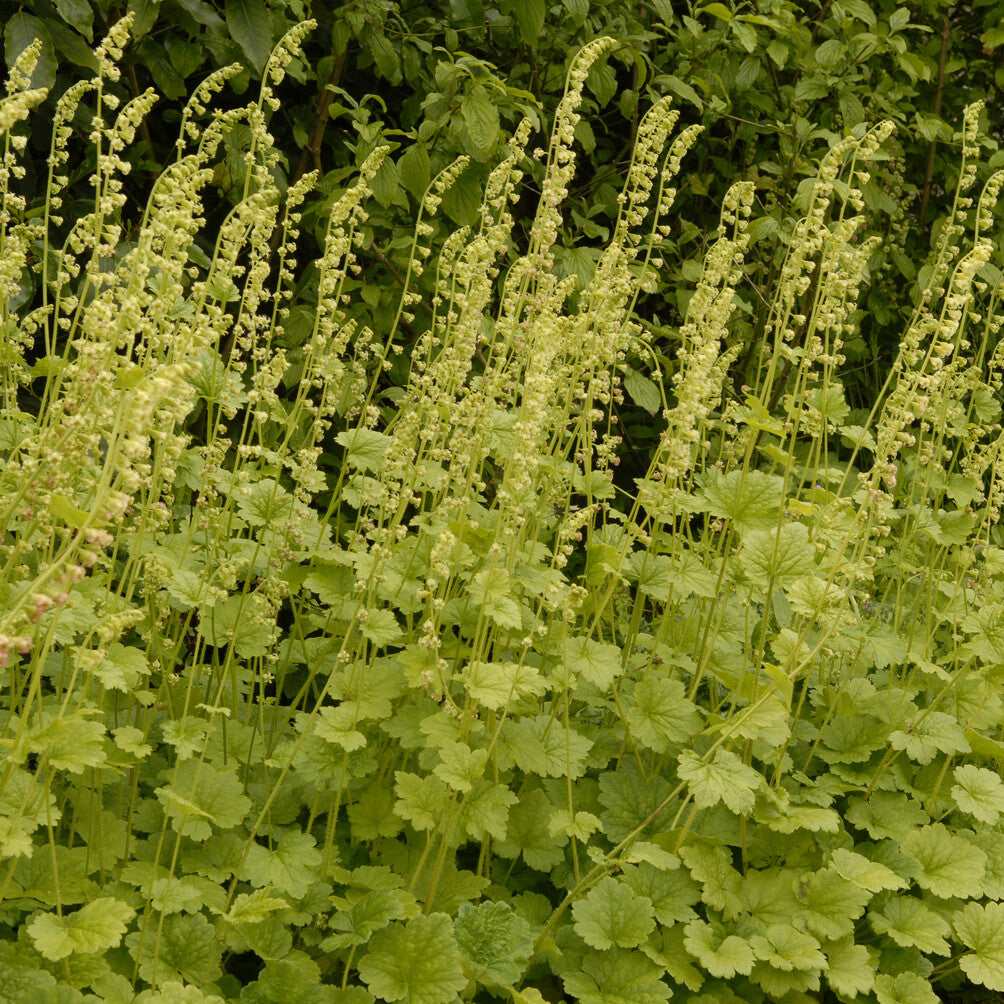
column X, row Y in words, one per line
column 317, row 688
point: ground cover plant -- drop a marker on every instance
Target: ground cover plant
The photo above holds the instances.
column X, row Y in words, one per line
column 322, row 686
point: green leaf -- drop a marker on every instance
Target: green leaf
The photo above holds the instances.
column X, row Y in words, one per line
column 786, row 949
column 980, row 927
column 460, row 766
column 619, row 976
column 77, row 14
column 237, row 621
column 528, row 833
column 338, row 725
column 726, row 779
column 886, row 815
column 684, row 90
column 949, row 864
column 95, row 927
column 494, row 943
column 612, row 913
column 911, row 924
column 539, row 745
column 384, row 56
column 420, row 800
column 462, row 200
column 871, row 875
column 598, row 663
column 672, row 893
column 70, row 743
column 201, row 794
column 21, row 30
column 830, row 904
column 417, row 962
column 719, row 882
column 122, row 667
column 644, row 392
column 530, row 16
column 660, row 715
column 372, row 912
column 365, row 448
column 980, row 792
column 180, row 948
column 721, row 954
column 414, row 171
column 381, row 628
column 144, row 14
column 777, row 555
column 290, row 866
column 202, row 12
column 485, row 810
column 752, row 499
column 903, row 988
column 850, row 968
column 494, row 685
column 250, row 26
column 481, row 118
column 490, row 590
column 934, row 732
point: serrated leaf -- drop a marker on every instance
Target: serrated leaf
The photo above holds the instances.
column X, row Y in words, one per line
column 71, row 743
column 481, row 118
column 850, row 968
column 95, row 927
column 414, row 170
column 612, row 913
column 751, row 499
column 372, row 912
column 290, row 866
column 903, row 988
column 416, row 961
column 78, row 14
column 180, row 948
column 201, row 794
column 871, row 875
column 722, row 955
column 725, row 779
column 530, row 16
column 381, row 628
column 910, row 923
column 949, row 864
column 494, row 685
column 886, row 815
column 618, row 976
column 528, row 833
column 787, row 949
column 660, row 714
column 777, row 555
column 598, row 663
column 672, row 893
column 980, row 792
column 420, row 800
column 830, row 904
column 364, row 448
column 485, row 810
column 494, row 942
column 980, row 927
column 250, row 26
column 719, row 882
column 122, row 667
column 21, row 30
column 643, row 391
column 541, row 746
column 460, row 766
column 934, row 732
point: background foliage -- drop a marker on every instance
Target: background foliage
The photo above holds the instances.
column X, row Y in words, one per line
column 750, row 748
